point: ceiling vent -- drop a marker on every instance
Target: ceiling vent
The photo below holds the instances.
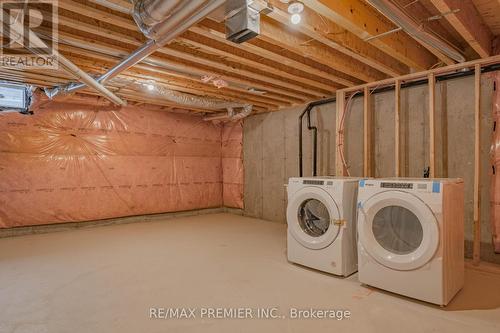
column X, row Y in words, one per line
column 243, row 19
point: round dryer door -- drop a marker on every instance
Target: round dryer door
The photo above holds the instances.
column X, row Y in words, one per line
column 312, row 215
column 398, row 230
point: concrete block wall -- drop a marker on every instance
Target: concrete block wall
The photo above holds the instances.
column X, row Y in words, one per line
column 271, row 145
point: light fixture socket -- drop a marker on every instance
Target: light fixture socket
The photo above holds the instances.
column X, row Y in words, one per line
column 295, row 7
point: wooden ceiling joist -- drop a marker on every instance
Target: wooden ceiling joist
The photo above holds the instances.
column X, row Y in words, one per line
column 316, row 88
column 299, row 91
column 185, row 62
column 224, row 51
column 364, row 21
column 273, row 33
column 284, row 66
column 464, row 17
column 150, row 72
column 114, row 19
column 139, row 76
column 209, row 29
column 98, row 14
column 330, row 34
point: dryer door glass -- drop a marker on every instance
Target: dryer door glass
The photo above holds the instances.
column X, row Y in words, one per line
column 397, row 229
column 314, row 218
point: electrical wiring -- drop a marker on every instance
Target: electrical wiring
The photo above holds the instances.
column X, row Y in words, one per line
column 340, row 144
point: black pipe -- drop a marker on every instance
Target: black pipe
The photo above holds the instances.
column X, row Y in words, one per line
column 307, row 110
column 310, row 106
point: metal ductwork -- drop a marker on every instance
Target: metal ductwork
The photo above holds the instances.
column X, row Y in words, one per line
column 416, row 30
column 152, row 12
column 243, row 19
column 33, row 44
column 159, row 20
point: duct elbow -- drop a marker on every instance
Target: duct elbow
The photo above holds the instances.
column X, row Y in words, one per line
column 51, row 92
column 247, row 110
column 230, row 115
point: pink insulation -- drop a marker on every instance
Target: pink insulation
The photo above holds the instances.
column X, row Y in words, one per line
column 80, row 159
column 495, row 156
column 232, row 164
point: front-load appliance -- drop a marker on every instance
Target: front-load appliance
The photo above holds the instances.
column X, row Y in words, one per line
column 321, row 217
column 411, row 237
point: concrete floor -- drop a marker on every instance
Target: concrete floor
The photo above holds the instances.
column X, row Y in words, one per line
column 106, row 280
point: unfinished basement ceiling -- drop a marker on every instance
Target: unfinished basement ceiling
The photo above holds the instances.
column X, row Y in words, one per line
column 285, row 65
column 489, row 11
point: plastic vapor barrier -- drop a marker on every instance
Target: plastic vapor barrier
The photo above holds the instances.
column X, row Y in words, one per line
column 232, row 164
column 81, row 159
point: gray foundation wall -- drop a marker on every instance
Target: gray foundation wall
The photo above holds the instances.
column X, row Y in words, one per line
column 271, row 146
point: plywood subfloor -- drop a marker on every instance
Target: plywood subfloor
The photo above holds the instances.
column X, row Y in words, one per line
column 106, row 279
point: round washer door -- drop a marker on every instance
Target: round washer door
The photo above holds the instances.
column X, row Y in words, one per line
column 398, row 230
column 311, row 217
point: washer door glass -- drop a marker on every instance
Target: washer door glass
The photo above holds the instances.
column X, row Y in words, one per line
column 397, row 229
column 311, row 216
column 314, row 218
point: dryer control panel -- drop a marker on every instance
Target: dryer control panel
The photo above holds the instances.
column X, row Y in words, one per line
column 426, row 186
column 396, row 185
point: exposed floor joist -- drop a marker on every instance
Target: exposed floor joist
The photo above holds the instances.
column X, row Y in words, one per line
column 325, row 31
column 364, row 21
column 464, row 17
column 285, row 65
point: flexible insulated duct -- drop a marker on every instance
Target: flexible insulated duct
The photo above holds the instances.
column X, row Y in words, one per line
column 207, row 103
column 231, row 116
column 194, row 100
column 396, row 15
column 181, row 18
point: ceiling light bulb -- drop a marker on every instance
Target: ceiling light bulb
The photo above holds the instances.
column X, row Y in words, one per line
column 295, row 18
column 150, row 86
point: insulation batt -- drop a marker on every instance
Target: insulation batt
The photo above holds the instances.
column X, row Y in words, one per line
column 80, row 159
column 232, row 164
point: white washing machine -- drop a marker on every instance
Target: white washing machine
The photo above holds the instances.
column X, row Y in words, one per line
column 411, row 237
column 321, row 217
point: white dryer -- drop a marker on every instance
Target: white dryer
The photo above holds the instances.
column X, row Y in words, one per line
column 321, row 217
column 411, row 237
